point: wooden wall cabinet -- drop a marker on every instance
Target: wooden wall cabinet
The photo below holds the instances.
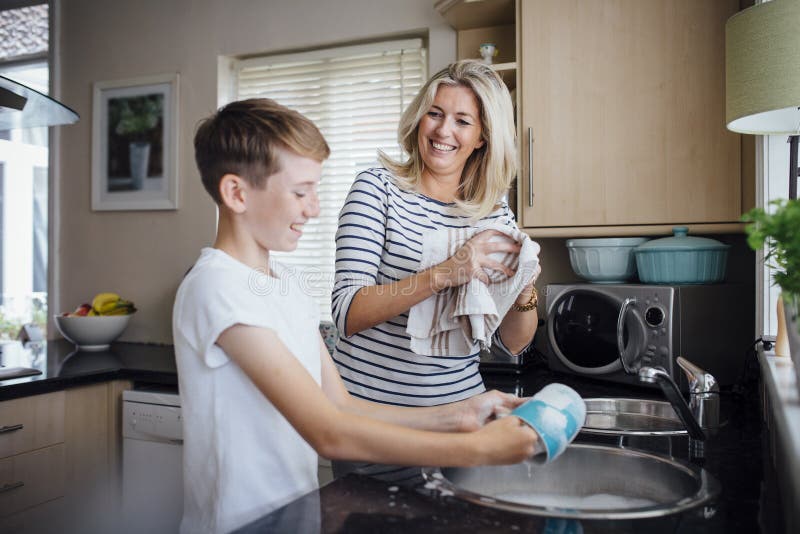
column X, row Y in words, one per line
column 482, row 21
column 621, row 116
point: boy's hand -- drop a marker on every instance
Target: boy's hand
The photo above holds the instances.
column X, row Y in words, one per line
column 505, row 441
column 476, row 411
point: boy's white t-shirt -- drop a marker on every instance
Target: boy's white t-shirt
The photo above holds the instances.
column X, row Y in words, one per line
column 242, row 459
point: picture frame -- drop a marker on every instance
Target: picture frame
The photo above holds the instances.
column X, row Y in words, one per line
column 135, row 144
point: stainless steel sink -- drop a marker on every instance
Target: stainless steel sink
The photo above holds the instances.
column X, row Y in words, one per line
column 586, row 482
column 631, row 417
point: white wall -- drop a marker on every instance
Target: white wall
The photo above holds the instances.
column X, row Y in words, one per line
column 143, row 254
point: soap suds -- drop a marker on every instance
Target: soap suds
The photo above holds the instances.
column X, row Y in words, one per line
column 598, row 501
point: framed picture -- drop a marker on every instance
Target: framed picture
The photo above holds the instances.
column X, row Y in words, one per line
column 135, row 144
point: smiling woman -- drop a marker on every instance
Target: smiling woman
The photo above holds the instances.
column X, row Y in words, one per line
column 458, row 133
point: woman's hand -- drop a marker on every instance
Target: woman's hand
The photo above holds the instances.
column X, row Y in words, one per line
column 476, row 411
column 474, row 258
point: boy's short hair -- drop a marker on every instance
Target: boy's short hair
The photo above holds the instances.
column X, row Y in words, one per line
column 242, row 137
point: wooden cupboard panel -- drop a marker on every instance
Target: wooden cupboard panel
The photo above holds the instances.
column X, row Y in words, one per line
column 86, row 436
column 31, row 478
column 626, row 104
column 465, row 14
column 87, row 477
column 42, row 423
column 91, row 485
column 633, row 230
column 114, row 432
column 41, row 519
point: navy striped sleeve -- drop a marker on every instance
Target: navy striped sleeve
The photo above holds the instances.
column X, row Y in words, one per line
column 359, row 243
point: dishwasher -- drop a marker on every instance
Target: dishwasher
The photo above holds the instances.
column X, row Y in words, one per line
column 152, row 460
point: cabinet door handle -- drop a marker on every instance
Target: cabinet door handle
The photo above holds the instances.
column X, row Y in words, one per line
column 530, row 167
column 10, row 428
column 8, row 487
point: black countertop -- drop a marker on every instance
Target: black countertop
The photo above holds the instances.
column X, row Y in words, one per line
column 734, row 456
column 62, row 366
column 361, row 504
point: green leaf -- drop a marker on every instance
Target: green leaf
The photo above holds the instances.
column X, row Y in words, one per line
column 779, row 230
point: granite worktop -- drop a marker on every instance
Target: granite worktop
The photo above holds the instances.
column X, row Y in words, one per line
column 733, row 456
column 62, row 366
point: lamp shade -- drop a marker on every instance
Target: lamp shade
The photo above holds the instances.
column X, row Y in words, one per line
column 762, row 69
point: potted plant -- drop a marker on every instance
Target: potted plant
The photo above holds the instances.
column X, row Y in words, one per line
column 779, row 230
column 137, row 117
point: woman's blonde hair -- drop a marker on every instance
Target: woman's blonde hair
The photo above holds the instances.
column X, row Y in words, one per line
column 490, row 169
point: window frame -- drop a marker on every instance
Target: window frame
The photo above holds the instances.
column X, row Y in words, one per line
column 52, row 61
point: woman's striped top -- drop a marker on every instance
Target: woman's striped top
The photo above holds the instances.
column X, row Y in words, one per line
column 379, row 241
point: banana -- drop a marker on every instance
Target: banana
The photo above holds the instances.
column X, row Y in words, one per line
column 104, row 302
column 125, row 310
column 111, row 304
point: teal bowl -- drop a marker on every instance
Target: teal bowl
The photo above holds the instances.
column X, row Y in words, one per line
column 606, row 260
column 681, row 259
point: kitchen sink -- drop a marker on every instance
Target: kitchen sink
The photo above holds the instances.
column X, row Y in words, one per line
column 586, row 482
column 631, row 417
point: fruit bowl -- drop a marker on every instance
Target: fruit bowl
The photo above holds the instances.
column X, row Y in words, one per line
column 92, row 333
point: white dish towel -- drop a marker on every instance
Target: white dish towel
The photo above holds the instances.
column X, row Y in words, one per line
column 449, row 323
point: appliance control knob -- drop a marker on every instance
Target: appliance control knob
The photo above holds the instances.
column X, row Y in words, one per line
column 654, row 316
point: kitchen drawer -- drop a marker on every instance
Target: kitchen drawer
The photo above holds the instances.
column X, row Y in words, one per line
column 31, row 478
column 45, row 518
column 31, row 423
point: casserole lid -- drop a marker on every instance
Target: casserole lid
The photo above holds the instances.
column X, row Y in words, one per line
column 681, row 241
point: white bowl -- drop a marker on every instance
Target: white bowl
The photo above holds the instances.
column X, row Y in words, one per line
column 92, row 333
column 604, row 260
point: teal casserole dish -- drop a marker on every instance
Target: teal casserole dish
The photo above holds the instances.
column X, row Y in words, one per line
column 681, row 259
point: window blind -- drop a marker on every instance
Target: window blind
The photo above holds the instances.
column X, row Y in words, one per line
column 355, row 95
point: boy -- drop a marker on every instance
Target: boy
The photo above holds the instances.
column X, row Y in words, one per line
column 260, row 393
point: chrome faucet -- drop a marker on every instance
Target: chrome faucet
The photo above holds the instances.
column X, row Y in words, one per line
column 703, row 395
column 673, row 393
column 702, row 411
